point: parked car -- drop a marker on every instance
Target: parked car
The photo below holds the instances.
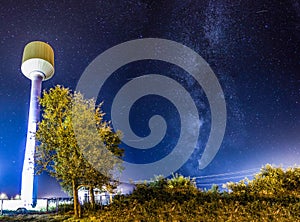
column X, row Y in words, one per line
column 21, row 210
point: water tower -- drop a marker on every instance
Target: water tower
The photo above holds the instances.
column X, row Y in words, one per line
column 37, row 65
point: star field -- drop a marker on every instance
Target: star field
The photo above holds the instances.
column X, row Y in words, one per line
column 253, row 47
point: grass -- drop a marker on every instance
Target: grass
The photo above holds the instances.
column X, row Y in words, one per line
column 200, row 207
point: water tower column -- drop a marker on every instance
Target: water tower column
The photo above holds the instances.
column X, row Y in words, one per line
column 28, row 190
column 37, row 65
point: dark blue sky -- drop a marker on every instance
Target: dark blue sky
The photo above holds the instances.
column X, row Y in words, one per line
column 253, row 47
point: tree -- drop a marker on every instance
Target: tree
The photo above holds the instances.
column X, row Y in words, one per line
column 270, row 181
column 76, row 145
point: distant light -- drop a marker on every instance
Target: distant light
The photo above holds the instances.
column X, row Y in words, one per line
column 3, row 196
column 18, row 197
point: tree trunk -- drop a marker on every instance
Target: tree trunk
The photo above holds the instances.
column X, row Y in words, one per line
column 92, row 197
column 110, row 198
column 77, row 210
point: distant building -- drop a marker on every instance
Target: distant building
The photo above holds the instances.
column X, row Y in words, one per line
column 103, row 197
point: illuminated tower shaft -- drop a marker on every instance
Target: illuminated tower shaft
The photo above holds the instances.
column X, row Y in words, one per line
column 28, row 190
column 37, row 65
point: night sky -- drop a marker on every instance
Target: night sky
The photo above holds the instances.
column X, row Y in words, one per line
column 253, row 47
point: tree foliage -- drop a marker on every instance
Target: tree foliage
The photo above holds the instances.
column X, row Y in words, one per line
column 270, row 181
column 157, row 201
column 76, row 145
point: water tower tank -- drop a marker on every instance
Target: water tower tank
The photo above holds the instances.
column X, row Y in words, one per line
column 38, row 57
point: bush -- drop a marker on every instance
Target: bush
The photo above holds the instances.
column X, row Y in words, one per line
column 177, row 199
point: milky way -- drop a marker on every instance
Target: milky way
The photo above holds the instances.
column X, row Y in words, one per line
column 252, row 47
